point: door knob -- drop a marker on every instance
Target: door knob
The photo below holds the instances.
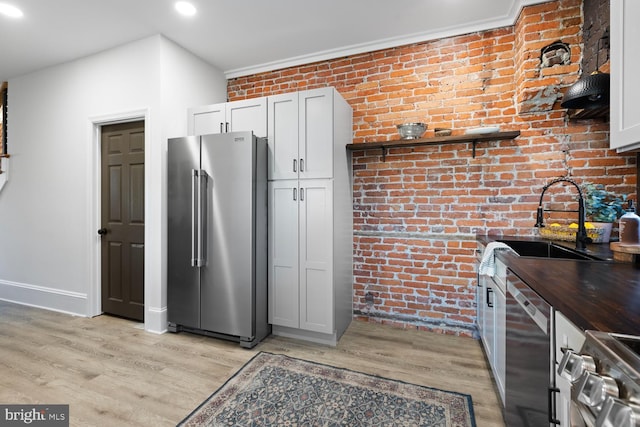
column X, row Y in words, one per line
column 102, row 231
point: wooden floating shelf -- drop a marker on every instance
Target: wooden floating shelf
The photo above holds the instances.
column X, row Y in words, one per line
column 452, row 139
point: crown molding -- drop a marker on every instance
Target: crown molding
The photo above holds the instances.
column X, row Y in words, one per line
column 505, row 20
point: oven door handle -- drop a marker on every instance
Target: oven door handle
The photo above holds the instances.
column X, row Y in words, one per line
column 552, row 405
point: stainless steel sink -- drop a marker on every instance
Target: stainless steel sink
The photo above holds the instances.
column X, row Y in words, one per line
column 541, row 249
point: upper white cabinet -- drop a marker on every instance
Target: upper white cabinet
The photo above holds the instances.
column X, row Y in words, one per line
column 625, row 67
column 300, row 136
column 236, row 116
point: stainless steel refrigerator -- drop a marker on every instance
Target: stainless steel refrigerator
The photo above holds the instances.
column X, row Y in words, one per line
column 217, row 236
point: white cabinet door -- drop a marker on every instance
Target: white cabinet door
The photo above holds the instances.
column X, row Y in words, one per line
column 206, row 120
column 316, row 255
column 489, row 320
column 301, row 134
column 282, row 139
column 247, row 115
column 500, row 338
column 283, row 253
column 480, row 304
column 301, row 254
column 237, row 116
column 316, row 133
column 625, row 67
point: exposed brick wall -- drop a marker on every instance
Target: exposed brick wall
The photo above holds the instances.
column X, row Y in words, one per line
column 417, row 213
column 596, row 25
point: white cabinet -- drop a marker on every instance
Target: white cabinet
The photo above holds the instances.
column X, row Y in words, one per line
column 500, row 334
column 567, row 336
column 310, row 215
column 485, row 315
column 246, row 115
column 284, row 295
column 301, row 254
column 491, row 312
column 300, row 136
column 625, row 67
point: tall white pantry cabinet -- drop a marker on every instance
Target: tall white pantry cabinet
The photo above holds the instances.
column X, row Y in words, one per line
column 310, row 215
column 310, row 207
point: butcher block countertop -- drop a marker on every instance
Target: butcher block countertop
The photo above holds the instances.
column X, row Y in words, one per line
column 594, row 295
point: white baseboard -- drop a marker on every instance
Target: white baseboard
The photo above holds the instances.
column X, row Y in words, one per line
column 316, row 337
column 74, row 303
column 155, row 320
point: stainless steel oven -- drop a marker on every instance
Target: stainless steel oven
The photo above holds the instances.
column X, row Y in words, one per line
column 605, row 380
column 529, row 373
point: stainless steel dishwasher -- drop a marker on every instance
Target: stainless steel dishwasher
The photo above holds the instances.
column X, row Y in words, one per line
column 529, row 382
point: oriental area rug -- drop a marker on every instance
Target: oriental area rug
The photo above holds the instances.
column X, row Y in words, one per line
column 277, row 390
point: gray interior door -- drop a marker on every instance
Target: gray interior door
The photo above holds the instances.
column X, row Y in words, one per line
column 122, row 228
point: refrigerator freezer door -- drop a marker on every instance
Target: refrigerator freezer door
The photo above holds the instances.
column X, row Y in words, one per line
column 228, row 278
column 183, row 289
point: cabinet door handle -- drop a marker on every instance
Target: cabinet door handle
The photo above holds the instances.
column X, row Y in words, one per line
column 226, row 127
column 295, row 194
column 489, row 302
column 295, row 165
column 301, row 194
column 301, row 165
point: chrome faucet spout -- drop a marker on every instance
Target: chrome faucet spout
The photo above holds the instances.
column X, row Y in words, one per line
column 581, row 236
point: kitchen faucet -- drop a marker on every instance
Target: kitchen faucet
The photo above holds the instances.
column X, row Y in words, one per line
column 581, row 235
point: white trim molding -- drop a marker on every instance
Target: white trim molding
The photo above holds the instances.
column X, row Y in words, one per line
column 155, row 317
column 505, row 20
column 4, row 176
column 94, row 302
column 47, row 298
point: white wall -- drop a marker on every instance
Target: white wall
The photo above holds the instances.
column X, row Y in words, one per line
column 49, row 208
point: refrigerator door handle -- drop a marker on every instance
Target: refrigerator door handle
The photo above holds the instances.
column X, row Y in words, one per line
column 194, row 218
column 202, row 203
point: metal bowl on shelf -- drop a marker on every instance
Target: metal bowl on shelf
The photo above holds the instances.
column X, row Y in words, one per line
column 411, row 130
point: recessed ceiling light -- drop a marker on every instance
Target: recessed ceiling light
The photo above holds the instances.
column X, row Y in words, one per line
column 10, row 11
column 185, row 8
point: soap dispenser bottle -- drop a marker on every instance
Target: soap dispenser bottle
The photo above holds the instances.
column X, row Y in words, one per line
column 630, row 227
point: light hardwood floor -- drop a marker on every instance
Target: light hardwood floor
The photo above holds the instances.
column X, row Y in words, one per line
column 113, row 373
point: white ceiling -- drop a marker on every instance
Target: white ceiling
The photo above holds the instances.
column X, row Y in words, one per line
column 239, row 37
